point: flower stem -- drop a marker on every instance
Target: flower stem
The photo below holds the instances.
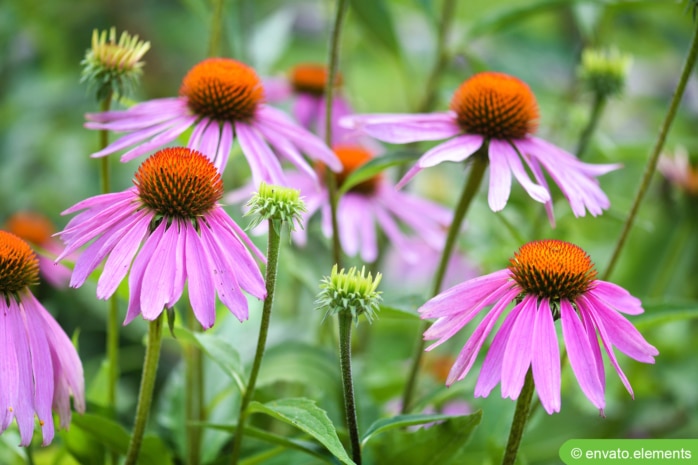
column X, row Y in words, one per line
column 585, row 137
column 447, row 13
column 332, row 65
column 477, row 172
column 345, row 322
column 518, row 424
column 113, row 309
column 272, row 268
column 194, row 395
column 216, row 28
column 145, row 395
column 656, row 151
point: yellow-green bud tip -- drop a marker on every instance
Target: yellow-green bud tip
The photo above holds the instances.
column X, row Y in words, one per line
column 276, row 203
column 603, row 72
column 353, row 291
column 111, row 66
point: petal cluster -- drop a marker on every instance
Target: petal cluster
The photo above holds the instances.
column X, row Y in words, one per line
column 161, row 256
column 527, row 337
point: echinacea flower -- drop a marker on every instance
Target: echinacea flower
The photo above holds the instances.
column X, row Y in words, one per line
column 306, row 85
column 548, row 280
column 498, row 114
column 678, row 169
column 222, row 100
column 40, row 367
column 37, row 229
column 370, row 204
column 186, row 236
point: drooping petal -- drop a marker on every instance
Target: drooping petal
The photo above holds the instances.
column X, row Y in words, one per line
column 159, row 275
column 404, row 128
column 202, row 294
column 500, row 175
column 618, row 298
column 178, row 127
column 264, row 164
column 581, row 355
column 546, row 359
column 135, row 277
column 537, row 192
column 9, row 367
column 519, row 351
column 24, row 408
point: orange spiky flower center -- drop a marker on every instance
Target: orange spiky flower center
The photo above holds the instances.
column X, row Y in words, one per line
column 352, row 157
column 553, row 269
column 179, row 183
column 30, row 226
column 222, row 89
column 311, row 78
column 19, row 265
column 495, row 105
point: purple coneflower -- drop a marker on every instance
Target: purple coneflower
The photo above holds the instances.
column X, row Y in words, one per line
column 173, row 211
column 678, row 169
column 371, row 203
column 547, row 280
column 37, row 229
column 497, row 113
column 222, row 99
column 40, row 368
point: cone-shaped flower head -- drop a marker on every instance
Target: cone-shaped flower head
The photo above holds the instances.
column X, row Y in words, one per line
column 37, row 229
column 186, row 236
column 354, row 292
column 311, row 78
column 603, row 72
column 547, row 280
column 278, row 204
column 222, row 100
column 39, row 365
column 111, row 66
column 495, row 114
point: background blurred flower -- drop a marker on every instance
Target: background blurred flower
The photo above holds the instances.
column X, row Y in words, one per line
column 37, row 229
column 548, row 280
column 40, row 367
column 678, row 169
column 497, row 113
column 222, row 99
column 187, row 237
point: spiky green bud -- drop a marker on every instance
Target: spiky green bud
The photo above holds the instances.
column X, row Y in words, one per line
column 278, row 204
column 111, row 66
column 603, row 72
column 353, row 291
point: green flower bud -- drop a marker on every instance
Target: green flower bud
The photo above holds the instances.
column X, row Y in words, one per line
column 353, row 292
column 278, row 204
column 603, row 72
column 111, row 66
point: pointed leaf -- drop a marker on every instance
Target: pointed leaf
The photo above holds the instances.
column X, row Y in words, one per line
column 219, row 350
column 305, row 415
column 375, row 17
column 376, row 166
column 401, row 421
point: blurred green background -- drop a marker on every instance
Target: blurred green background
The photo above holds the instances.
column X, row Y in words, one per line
column 388, row 50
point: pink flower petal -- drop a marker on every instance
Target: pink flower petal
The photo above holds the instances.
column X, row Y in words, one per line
column 159, row 276
column 519, row 351
column 500, row 175
column 404, row 128
column 202, row 294
column 135, row 277
column 264, row 164
column 546, row 359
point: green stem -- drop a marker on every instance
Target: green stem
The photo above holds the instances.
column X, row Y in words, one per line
column 332, row 65
column 585, row 137
column 272, row 268
column 113, row 326
column 216, row 28
column 145, row 395
column 654, row 157
column 194, row 395
column 518, row 424
column 345, row 322
column 477, row 172
column 442, row 56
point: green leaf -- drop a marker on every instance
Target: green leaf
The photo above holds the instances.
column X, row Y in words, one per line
column 375, row 166
column 301, row 363
column 401, row 421
column 663, row 313
column 375, row 17
column 219, row 350
column 116, row 439
column 270, row 39
column 305, row 415
column 437, row 445
column 403, row 308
